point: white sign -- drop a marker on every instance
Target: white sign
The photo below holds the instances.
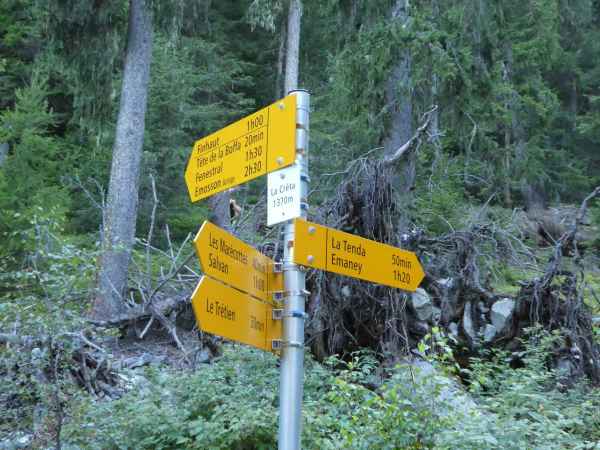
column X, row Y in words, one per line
column 283, row 196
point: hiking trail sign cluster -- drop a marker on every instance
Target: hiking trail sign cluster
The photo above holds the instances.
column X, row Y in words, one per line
column 246, row 296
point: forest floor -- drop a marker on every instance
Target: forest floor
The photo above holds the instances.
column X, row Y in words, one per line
column 150, row 393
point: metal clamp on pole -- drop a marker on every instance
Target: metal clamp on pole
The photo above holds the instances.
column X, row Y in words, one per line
column 278, row 344
column 279, row 314
column 287, row 267
column 280, row 296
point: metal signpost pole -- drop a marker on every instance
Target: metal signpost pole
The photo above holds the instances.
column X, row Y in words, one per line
column 292, row 353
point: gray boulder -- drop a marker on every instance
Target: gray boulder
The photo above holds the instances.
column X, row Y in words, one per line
column 426, row 381
column 436, row 315
column 449, row 303
column 469, row 325
column 421, row 304
column 489, row 333
column 453, row 329
column 418, row 327
column 502, row 314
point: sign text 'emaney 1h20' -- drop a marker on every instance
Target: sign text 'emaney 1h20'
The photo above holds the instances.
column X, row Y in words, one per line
column 232, row 261
column 253, row 146
column 229, row 313
column 347, row 254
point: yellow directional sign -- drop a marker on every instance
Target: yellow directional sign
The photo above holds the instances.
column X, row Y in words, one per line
column 229, row 313
column 335, row 251
column 232, row 261
column 258, row 144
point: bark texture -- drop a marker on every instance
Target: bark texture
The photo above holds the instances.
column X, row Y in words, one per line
column 399, row 100
column 121, row 213
column 3, row 152
column 292, row 58
column 280, row 58
column 219, row 210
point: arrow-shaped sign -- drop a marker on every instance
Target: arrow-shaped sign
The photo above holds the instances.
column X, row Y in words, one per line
column 232, row 261
column 229, row 313
column 347, row 254
column 253, row 146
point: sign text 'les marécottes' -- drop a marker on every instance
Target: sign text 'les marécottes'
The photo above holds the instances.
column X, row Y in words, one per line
column 232, row 261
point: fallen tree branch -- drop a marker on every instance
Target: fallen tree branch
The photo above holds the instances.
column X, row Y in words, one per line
column 567, row 239
column 413, row 141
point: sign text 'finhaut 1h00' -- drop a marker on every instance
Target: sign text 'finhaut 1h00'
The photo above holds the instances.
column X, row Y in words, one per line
column 260, row 143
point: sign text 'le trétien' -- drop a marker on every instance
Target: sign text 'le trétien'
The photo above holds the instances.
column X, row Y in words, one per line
column 229, row 313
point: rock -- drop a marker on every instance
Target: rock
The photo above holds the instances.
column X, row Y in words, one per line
column 421, row 304
column 436, row 315
column 203, row 356
column 431, row 384
column 346, row 292
column 445, row 283
column 469, row 326
column 133, row 380
column 427, row 387
column 502, row 314
column 547, row 225
column 564, row 368
column 418, row 327
column 186, row 320
column 482, row 308
column 449, row 302
column 489, row 333
column 453, row 329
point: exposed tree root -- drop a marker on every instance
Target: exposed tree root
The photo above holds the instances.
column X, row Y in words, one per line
column 346, row 314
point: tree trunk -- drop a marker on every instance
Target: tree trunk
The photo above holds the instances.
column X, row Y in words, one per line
column 3, row 152
column 398, row 94
column 508, row 130
column 280, row 58
column 435, row 115
column 119, row 228
column 292, row 57
column 219, row 210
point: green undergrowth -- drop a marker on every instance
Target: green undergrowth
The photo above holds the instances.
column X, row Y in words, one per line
column 591, row 293
column 232, row 403
column 509, row 277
